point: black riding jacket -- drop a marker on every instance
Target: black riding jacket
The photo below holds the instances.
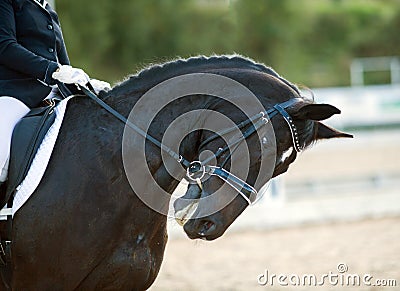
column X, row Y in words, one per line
column 31, row 47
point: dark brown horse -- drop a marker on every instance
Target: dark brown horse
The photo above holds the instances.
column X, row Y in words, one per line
column 85, row 228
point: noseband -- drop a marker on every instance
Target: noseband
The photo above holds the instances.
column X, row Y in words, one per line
column 196, row 170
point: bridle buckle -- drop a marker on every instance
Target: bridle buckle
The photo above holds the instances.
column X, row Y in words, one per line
column 196, row 171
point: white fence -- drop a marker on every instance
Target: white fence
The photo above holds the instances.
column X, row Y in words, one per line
column 360, row 66
column 362, row 106
column 370, row 106
column 342, row 179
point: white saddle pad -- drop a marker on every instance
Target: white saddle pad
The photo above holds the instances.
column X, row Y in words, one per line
column 41, row 160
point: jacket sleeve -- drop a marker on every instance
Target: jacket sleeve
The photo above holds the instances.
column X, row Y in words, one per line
column 15, row 56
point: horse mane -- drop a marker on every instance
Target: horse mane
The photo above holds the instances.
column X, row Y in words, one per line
column 156, row 73
column 145, row 79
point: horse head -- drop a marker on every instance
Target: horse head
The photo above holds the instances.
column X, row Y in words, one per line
column 211, row 205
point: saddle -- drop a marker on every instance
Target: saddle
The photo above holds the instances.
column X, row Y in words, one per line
column 27, row 137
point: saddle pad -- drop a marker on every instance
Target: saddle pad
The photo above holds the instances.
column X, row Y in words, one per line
column 41, row 159
column 27, row 136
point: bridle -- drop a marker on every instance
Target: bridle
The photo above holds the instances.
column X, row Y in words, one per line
column 197, row 170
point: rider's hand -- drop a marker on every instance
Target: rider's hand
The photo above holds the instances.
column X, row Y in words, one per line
column 99, row 85
column 69, row 75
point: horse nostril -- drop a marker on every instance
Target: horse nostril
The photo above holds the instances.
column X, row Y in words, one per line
column 206, row 226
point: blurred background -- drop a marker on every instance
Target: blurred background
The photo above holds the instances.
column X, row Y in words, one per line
column 340, row 201
column 310, row 42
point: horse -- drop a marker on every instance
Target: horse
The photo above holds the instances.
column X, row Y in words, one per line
column 86, row 228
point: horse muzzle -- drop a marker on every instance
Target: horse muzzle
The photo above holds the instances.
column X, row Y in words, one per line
column 205, row 228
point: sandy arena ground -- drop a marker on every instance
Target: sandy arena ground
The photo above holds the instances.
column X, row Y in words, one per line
column 312, row 232
column 234, row 261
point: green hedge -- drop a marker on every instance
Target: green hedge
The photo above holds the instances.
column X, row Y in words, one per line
column 308, row 41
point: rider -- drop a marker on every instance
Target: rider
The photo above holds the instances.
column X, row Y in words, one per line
column 33, row 58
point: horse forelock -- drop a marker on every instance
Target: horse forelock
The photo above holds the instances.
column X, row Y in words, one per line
column 156, row 73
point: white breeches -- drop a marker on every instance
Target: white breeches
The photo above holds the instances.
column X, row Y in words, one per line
column 11, row 111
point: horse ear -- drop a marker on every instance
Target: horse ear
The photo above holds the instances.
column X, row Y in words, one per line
column 325, row 132
column 315, row 112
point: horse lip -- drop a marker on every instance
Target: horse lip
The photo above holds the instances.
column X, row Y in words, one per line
column 182, row 216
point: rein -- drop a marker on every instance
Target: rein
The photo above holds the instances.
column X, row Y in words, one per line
column 122, row 118
column 196, row 170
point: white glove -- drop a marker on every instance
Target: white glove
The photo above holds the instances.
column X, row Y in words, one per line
column 69, row 75
column 99, row 85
